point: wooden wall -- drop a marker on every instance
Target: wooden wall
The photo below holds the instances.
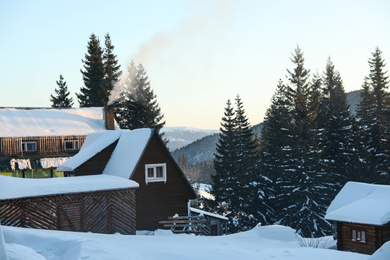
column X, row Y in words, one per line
column 376, row 236
column 157, row 201
column 46, row 146
column 97, row 163
column 99, row 212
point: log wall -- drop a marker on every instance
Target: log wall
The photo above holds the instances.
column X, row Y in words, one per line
column 376, row 236
column 99, row 212
column 46, row 145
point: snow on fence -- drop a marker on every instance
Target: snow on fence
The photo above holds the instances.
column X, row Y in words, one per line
column 107, row 211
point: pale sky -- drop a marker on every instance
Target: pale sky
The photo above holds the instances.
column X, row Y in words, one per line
column 197, row 53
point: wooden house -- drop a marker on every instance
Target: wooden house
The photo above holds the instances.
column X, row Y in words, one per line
column 100, row 204
column 34, row 142
column 142, row 156
column 361, row 216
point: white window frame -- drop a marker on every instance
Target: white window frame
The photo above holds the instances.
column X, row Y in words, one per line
column 74, row 144
column 25, row 146
column 359, row 235
column 154, row 168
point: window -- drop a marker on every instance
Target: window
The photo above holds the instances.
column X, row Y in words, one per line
column 71, row 145
column 359, row 235
column 29, row 146
column 155, row 172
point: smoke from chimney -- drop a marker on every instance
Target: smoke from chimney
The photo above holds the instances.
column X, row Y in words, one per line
column 187, row 49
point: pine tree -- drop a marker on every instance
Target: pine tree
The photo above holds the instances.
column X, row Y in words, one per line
column 336, row 140
column 94, row 92
column 275, row 149
column 112, row 70
column 240, row 190
column 137, row 106
column 225, row 159
column 307, row 206
column 374, row 113
column 62, row 99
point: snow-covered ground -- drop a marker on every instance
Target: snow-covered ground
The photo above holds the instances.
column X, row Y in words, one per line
column 268, row 242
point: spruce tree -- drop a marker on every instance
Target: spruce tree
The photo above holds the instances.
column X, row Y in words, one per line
column 94, row 92
column 241, row 191
column 112, row 70
column 250, row 185
column 225, row 158
column 307, row 206
column 336, row 140
column 374, row 118
column 275, row 149
column 61, row 99
column 137, row 106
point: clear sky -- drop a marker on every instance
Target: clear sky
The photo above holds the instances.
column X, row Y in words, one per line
column 197, row 53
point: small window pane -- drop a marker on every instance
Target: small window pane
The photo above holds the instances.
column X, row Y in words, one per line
column 363, row 236
column 68, row 145
column 150, row 172
column 353, row 235
column 159, row 172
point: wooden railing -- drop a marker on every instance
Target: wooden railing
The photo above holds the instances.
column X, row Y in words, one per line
column 198, row 225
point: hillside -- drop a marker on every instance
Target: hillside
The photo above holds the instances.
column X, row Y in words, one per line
column 203, row 149
column 179, row 137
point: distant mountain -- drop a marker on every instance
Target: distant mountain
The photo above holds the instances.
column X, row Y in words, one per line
column 353, row 99
column 182, row 136
column 203, row 149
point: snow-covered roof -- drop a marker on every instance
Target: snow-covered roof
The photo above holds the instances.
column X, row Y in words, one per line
column 13, row 188
column 128, row 151
column 361, row 203
column 50, row 122
column 199, row 211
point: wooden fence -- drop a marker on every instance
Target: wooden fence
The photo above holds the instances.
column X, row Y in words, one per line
column 99, row 212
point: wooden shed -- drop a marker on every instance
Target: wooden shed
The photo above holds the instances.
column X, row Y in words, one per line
column 142, row 156
column 361, row 216
column 100, row 204
column 216, row 223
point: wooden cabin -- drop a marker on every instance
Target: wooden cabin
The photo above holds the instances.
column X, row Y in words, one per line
column 139, row 155
column 99, row 204
column 361, row 216
column 34, row 142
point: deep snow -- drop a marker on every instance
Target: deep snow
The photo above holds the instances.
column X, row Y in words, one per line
column 50, row 122
column 268, row 242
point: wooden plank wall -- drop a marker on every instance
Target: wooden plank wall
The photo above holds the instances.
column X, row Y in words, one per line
column 99, row 212
column 347, row 244
column 156, row 201
column 46, row 145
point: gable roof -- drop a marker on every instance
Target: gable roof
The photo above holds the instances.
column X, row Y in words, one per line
column 123, row 160
column 13, row 188
column 361, row 203
column 50, row 122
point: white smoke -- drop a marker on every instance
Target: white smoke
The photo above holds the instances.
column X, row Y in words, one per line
column 125, row 84
column 189, row 47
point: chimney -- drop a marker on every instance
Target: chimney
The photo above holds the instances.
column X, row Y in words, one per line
column 109, row 117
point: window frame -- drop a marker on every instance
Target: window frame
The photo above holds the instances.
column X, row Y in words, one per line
column 73, row 144
column 25, row 146
column 359, row 235
column 154, row 178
